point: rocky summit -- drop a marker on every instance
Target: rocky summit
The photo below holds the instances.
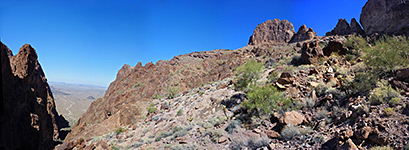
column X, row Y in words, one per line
column 344, row 28
column 29, row 119
column 273, row 32
column 385, row 16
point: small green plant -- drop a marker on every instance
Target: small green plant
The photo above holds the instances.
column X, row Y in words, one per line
column 232, row 125
column 161, row 135
column 179, row 113
column 395, row 101
column 381, row 94
column 156, row 96
column 356, row 44
column 308, row 102
column 381, row 148
column 388, row 111
column 264, row 100
column 289, row 132
column 151, row 109
column 321, row 114
column 216, row 134
column 172, row 91
column 119, row 130
column 247, row 73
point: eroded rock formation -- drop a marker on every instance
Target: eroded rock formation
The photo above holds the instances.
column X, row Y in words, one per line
column 303, row 34
column 29, row 119
column 344, row 28
column 385, row 16
column 272, row 32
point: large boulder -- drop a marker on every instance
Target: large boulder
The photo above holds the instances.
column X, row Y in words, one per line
column 344, row 28
column 310, row 51
column 292, row 118
column 304, row 34
column 385, row 16
column 273, row 32
column 335, row 46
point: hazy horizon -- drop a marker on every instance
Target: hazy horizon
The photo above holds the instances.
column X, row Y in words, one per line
column 87, row 42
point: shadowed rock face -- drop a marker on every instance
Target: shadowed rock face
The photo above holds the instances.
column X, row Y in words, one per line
column 304, row 34
column 385, row 16
column 272, row 32
column 29, row 119
column 344, row 28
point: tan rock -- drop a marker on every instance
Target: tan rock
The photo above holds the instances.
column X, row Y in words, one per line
column 222, row 139
column 181, row 140
column 272, row 134
column 273, row 32
column 363, row 133
column 292, row 117
column 348, row 145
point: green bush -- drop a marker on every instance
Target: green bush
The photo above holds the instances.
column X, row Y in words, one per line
column 356, row 44
column 381, row 148
column 264, row 100
column 172, row 91
column 156, row 96
column 161, row 135
column 363, row 82
column 247, row 73
column 119, row 130
column 388, row 111
column 289, row 132
column 232, row 125
column 389, row 53
column 395, row 101
column 151, row 109
column 381, row 94
column 216, row 134
column 179, row 113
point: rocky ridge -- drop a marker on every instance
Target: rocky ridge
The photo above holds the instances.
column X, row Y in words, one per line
column 29, row 119
column 385, row 16
column 344, row 28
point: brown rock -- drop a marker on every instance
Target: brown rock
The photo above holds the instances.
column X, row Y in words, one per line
column 272, row 32
column 286, row 78
column 222, row 139
column 303, row 34
column 272, row 134
column 29, row 119
column 385, row 16
column 403, row 75
column 363, row 133
column 310, row 51
column 335, row 46
column 378, row 139
column 348, row 145
column 181, row 140
column 292, row 117
column 343, row 28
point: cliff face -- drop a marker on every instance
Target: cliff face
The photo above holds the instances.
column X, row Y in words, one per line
column 29, row 119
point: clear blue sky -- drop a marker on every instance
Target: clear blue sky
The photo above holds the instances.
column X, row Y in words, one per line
column 88, row 41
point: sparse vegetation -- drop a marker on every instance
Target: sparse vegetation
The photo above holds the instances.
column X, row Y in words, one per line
column 289, row 132
column 179, row 113
column 395, row 101
column 388, row 111
column 389, row 53
column 381, row 94
column 151, row 109
column 172, row 91
column 232, row 125
column 264, row 100
column 247, row 74
column 381, row 148
column 119, row 130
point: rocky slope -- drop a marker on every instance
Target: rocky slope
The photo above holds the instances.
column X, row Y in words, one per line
column 385, row 16
column 29, row 119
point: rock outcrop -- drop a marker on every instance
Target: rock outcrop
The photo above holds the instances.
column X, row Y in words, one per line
column 303, row 34
column 344, row 28
column 385, row 16
column 310, row 51
column 272, row 32
column 29, row 119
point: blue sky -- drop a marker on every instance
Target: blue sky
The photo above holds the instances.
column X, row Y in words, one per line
column 88, row 41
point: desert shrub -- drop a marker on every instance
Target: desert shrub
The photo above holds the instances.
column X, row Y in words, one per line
column 363, row 82
column 179, row 133
column 381, row 148
column 247, row 73
column 388, row 111
column 381, row 94
column 337, row 111
column 119, row 130
column 406, row 147
column 161, row 135
column 236, row 145
column 258, row 143
column 356, row 44
column 265, row 99
column 321, row 114
column 172, row 91
column 306, row 130
column 395, row 101
column 151, row 109
column 289, row 132
column 216, row 134
column 179, row 113
column 232, row 125
column 308, row 102
column 156, row 96
column 389, row 53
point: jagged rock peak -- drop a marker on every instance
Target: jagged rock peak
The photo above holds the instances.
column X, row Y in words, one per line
column 304, row 34
column 344, row 28
column 272, row 32
column 385, row 16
